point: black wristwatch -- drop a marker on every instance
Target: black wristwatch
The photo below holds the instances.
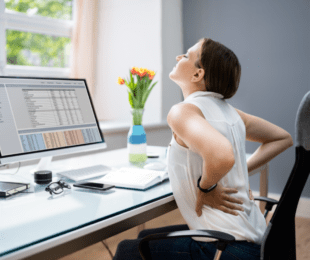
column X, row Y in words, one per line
column 205, row 190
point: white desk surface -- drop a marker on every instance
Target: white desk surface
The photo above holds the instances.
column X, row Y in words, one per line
column 36, row 220
column 29, row 218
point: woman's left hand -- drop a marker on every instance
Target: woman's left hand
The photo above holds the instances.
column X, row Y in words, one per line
column 218, row 198
column 251, row 195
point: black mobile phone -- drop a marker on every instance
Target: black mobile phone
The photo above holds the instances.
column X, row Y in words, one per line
column 93, row 185
column 152, row 155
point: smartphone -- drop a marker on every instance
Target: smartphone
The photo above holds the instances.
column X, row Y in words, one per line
column 93, row 185
column 152, row 155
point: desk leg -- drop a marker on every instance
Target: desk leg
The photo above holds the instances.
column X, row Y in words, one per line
column 263, row 189
column 140, row 228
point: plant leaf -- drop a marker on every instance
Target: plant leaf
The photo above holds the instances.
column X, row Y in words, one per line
column 130, row 99
column 147, row 93
column 131, row 78
column 138, row 95
column 131, row 96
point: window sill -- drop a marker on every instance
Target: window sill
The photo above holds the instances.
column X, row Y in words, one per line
column 111, row 127
column 33, row 71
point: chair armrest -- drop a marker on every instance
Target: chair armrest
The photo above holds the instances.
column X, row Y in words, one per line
column 269, row 203
column 267, row 200
column 223, row 239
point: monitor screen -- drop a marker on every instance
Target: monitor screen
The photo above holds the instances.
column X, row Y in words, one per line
column 45, row 114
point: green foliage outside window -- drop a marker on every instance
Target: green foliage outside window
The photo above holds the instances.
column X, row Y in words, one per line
column 51, row 51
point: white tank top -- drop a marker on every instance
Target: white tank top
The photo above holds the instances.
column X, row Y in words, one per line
column 185, row 167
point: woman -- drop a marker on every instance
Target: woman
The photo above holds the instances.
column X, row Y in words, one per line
column 208, row 147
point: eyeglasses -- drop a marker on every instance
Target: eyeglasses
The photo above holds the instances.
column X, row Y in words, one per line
column 57, row 187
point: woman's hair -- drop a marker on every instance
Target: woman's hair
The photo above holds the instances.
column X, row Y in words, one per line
column 221, row 66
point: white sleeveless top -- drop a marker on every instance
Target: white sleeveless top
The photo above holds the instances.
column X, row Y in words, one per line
column 185, row 167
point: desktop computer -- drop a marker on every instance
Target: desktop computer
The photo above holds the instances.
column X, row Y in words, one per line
column 45, row 117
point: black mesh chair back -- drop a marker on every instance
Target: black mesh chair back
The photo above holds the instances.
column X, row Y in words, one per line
column 279, row 240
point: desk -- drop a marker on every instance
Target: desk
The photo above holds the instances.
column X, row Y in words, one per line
column 42, row 226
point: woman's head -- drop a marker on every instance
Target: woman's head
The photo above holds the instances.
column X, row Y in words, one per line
column 208, row 66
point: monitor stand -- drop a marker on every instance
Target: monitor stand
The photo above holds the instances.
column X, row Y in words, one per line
column 43, row 164
column 9, row 173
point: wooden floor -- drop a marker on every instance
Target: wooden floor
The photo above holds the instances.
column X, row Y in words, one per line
column 99, row 252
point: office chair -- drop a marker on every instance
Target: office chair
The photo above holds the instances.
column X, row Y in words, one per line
column 279, row 240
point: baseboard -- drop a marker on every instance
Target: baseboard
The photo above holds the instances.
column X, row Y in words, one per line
column 303, row 207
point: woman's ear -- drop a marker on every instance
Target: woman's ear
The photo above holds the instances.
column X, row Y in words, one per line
column 198, row 76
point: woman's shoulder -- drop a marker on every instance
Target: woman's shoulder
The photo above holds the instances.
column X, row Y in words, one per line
column 183, row 109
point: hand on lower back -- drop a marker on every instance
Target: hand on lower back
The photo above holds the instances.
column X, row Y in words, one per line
column 220, row 199
column 251, row 195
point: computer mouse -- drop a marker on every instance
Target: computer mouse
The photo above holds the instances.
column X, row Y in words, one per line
column 157, row 166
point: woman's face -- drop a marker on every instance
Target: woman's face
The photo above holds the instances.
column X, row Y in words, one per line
column 185, row 73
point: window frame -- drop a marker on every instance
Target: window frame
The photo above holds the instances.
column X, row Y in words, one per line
column 34, row 24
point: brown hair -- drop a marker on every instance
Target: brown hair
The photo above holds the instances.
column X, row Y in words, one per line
column 221, row 66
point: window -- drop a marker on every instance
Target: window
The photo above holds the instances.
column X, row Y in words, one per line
column 35, row 37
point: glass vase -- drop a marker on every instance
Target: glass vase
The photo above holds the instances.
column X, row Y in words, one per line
column 136, row 140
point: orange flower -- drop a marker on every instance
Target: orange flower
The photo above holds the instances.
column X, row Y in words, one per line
column 141, row 74
column 133, row 71
column 120, row 81
column 151, row 76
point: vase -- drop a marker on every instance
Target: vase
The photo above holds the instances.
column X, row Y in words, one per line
column 136, row 139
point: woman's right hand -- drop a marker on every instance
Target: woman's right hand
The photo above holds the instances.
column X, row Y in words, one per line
column 220, row 199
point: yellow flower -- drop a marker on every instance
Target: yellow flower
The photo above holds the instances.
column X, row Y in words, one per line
column 120, row 81
column 151, row 72
column 141, row 70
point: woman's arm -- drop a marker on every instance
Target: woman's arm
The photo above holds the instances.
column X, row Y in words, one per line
column 188, row 122
column 274, row 139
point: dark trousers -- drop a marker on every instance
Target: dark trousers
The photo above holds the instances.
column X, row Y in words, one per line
column 184, row 248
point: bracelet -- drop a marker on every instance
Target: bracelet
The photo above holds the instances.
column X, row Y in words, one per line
column 205, row 190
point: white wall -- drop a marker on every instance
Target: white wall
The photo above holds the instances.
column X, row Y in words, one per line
column 131, row 35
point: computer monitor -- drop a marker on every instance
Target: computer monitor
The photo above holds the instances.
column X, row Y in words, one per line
column 44, row 117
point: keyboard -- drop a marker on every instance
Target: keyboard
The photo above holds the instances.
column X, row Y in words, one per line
column 86, row 173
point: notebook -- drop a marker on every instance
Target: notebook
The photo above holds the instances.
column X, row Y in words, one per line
column 10, row 188
column 133, row 178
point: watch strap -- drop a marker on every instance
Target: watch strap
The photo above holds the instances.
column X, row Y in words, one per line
column 205, row 190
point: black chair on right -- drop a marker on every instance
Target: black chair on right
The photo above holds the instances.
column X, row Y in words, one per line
column 279, row 241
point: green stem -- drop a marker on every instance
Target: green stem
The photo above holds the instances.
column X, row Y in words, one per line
column 137, row 115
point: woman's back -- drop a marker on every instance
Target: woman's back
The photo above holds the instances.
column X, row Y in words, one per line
column 185, row 167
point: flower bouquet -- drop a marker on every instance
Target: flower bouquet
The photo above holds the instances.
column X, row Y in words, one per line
column 138, row 92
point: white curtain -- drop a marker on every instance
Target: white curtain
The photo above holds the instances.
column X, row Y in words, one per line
column 84, row 42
